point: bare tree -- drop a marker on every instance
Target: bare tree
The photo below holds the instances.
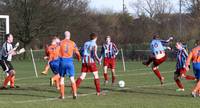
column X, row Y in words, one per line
column 152, row 7
column 32, row 19
column 193, row 7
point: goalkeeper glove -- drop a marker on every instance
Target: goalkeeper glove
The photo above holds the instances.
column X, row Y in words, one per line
column 21, row 51
column 16, row 46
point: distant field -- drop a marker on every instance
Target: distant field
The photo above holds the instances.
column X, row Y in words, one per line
column 142, row 90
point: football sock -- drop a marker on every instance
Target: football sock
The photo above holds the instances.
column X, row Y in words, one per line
column 113, row 79
column 157, row 72
column 12, row 81
column 106, row 76
column 190, row 77
column 7, row 79
column 78, row 82
column 179, row 84
column 97, row 84
column 150, row 59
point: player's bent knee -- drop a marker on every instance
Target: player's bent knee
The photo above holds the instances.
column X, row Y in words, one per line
column 83, row 75
column 12, row 72
column 105, row 69
column 113, row 70
column 154, row 68
column 72, row 80
column 96, row 76
column 62, row 81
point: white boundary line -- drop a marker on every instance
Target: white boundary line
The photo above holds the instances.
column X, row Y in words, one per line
column 156, row 85
column 49, row 99
column 81, row 95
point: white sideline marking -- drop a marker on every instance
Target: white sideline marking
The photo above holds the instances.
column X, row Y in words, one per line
column 156, row 85
column 81, row 95
column 51, row 99
column 135, row 74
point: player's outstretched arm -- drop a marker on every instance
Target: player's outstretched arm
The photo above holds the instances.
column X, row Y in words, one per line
column 170, row 38
column 189, row 58
column 13, row 51
column 166, row 41
column 96, row 56
column 77, row 53
column 168, row 48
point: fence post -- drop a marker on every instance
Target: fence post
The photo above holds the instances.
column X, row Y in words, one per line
column 123, row 61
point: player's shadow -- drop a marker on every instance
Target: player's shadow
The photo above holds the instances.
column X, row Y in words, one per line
column 38, row 89
column 140, row 91
column 28, row 89
column 25, row 94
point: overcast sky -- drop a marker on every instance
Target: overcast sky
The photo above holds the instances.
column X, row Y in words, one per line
column 116, row 5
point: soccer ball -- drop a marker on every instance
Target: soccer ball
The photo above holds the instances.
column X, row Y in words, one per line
column 121, row 83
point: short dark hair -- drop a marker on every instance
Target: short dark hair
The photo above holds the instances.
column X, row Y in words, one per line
column 197, row 42
column 7, row 35
column 93, row 36
column 155, row 35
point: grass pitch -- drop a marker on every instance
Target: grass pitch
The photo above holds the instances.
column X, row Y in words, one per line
column 142, row 89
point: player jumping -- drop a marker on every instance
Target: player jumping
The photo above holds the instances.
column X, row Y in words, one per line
column 53, row 58
column 158, row 55
column 109, row 52
column 6, row 54
column 67, row 49
column 45, row 72
column 195, row 57
column 89, row 55
column 181, row 57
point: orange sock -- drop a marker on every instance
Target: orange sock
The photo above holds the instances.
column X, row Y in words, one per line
column 12, row 81
column 7, row 79
column 62, row 90
column 74, row 89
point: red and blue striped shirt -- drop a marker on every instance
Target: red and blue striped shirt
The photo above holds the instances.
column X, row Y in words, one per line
column 109, row 50
column 181, row 58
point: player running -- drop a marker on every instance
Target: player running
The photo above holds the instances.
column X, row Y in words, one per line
column 67, row 49
column 109, row 52
column 89, row 55
column 181, row 57
column 158, row 55
column 53, row 58
column 195, row 57
column 6, row 54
